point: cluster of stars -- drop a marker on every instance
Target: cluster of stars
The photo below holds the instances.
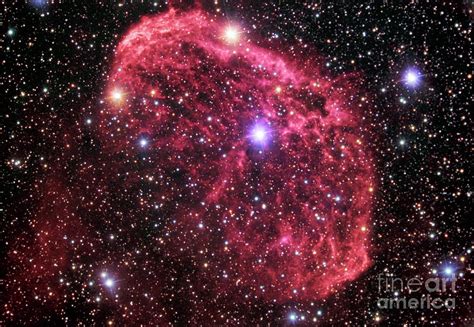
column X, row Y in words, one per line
column 235, row 164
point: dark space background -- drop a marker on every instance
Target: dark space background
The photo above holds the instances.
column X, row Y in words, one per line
column 55, row 58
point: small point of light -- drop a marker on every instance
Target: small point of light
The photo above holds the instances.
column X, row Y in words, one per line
column 292, row 317
column 11, row 32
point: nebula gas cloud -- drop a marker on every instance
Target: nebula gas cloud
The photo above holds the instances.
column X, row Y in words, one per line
column 265, row 154
column 235, row 163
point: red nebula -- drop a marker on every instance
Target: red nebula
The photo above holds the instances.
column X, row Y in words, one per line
column 285, row 220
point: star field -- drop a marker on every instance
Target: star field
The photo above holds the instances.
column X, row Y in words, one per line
column 236, row 163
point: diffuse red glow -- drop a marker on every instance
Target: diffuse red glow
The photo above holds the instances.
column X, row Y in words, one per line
column 226, row 171
column 289, row 221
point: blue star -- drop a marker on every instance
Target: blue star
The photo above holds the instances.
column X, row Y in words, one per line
column 412, row 77
column 260, row 134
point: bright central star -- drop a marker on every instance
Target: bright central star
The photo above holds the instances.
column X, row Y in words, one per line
column 231, row 34
column 143, row 143
column 117, row 96
column 260, row 134
column 412, row 77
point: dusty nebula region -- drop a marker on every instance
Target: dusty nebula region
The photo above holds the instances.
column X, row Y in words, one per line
column 261, row 158
column 248, row 168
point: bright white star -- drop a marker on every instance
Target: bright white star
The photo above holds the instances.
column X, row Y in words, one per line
column 117, row 96
column 260, row 134
column 231, row 34
column 109, row 282
column 412, row 77
column 143, row 143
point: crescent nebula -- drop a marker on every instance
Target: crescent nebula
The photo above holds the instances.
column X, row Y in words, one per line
column 261, row 158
